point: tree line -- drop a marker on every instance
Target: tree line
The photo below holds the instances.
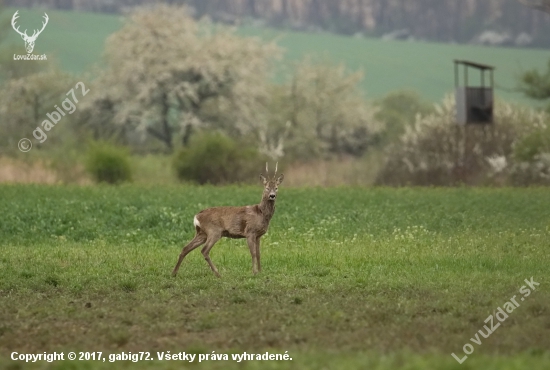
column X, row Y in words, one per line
column 437, row 20
column 199, row 92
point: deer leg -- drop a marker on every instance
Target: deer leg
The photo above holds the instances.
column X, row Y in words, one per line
column 197, row 241
column 258, row 254
column 206, row 252
column 252, row 246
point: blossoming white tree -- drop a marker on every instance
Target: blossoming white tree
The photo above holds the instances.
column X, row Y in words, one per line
column 164, row 68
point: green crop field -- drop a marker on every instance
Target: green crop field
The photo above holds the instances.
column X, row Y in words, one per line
column 76, row 40
column 353, row 278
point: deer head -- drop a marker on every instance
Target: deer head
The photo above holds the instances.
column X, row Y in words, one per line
column 271, row 185
column 29, row 40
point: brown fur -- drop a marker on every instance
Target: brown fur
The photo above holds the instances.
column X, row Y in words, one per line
column 250, row 222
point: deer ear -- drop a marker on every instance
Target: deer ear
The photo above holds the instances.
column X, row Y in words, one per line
column 280, row 179
column 264, row 180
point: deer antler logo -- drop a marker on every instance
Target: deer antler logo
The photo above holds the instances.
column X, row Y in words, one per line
column 29, row 40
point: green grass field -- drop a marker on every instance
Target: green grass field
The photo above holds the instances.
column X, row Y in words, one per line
column 77, row 40
column 353, row 278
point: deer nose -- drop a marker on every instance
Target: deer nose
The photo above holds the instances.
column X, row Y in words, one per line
column 271, row 196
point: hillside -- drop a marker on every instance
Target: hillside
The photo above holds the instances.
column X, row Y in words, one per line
column 434, row 20
column 76, row 40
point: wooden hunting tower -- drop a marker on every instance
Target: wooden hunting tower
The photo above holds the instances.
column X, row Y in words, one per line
column 474, row 104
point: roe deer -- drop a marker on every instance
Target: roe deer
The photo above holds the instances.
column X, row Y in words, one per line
column 250, row 222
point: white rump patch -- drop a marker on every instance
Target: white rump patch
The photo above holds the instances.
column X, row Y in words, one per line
column 196, row 222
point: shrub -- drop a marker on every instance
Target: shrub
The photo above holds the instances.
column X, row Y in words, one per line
column 435, row 151
column 532, row 159
column 217, row 159
column 534, row 172
column 532, row 145
column 398, row 110
column 108, row 163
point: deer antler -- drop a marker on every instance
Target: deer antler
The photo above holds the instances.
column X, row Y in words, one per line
column 267, row 170
column 36, row 32
column 13, row 20
column 24, row 34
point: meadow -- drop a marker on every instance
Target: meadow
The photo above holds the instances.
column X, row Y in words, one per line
column 76, row 41
column 353, row 278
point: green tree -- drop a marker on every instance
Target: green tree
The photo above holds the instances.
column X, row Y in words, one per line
column 536, row 84
column 398, row 110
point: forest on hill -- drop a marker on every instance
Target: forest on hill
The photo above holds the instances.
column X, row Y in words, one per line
column 495, row 22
